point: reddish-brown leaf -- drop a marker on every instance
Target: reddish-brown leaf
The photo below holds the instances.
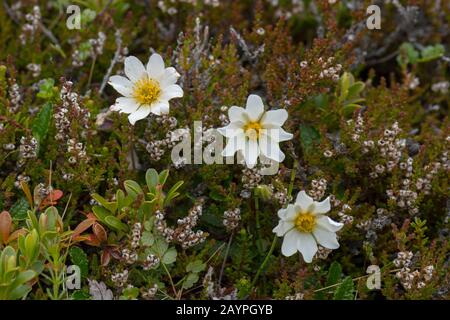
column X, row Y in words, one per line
column 5, row 226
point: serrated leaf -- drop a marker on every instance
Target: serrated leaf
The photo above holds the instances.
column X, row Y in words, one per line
column 79, row 258
column 334, row 273
column 309, row 136
column 195, row 266
column 19, row 209
column 41, row 123
column 170, row 256
column 190, row 280
column 147, row 239
column 345, row 290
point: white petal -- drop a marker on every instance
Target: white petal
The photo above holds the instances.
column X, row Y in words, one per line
column 126, row 105
column 231, row 130
column 291, row 212
column 307, row 245
column 255, row 107
column 172, row 91
column 134, row 69
column 269, row 148
column 139, row 114
column 234, row 144
column 122, row 85
column 322, row 207
column 303, row 200
column 289, row 246
column 328, row 224
column 159, row 108
column 155, row 66
column 237, row 114
column 251, row 153
column 274, row 118
column 283, row 227
column 278, row 134
column 282, row 213
column 326, row 238
column 169, row 76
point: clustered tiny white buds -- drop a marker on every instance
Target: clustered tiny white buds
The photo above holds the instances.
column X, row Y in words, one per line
column 297, row 296
column 97, row 44
column 330, row 70
column 318, row 188
column 27, row 149
column 129, row 256
column 15, row 97
column 69, row 109
column 250, row 179
column 343, row 214
column 409, row 278
column 231, row 219
column 183, row 233
column 441, row 87
column 136, row 235
column 150, row 293
column 76, row 151
column 20, row 178
column 35, row 69
column 30, row 28
column 150, row 262
column 120, row 278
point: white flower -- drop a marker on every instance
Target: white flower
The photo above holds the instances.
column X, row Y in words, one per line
column 255, row 132
column 147, row 89
column 304, row 224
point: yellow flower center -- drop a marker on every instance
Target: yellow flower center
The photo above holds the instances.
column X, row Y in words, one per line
column 305, row 222
column 146, row 91
column 252, row 129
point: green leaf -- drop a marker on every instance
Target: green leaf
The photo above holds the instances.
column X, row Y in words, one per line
column 19, row 209
column 79, row 258
column 115, row 223
column 46, row 89
column 345, row 290
column 309, row 136
column 41, row 123
column 111, row 206
column 147, row 239
column 151, row 178
column 190, row 280
column 334, row 273
column 173, row 192
column 80, row 295
column 195, row 266
column 407, row 55
column 170, row 256
column 133, row 188
column 163, row 177
column 19, row 292
column 432, row 52
column 160, row 247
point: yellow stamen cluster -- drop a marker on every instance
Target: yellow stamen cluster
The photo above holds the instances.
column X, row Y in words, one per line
column 252, row 129
column 146, row 91
column 305, row 222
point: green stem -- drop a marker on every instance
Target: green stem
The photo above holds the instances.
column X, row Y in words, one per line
column 170, row 278
column 266, row 259
column 291, row 184
column 258, row 224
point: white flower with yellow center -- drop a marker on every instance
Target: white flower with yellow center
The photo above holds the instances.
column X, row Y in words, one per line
column 304, row 225
column 147, row 89
column 255, row 132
